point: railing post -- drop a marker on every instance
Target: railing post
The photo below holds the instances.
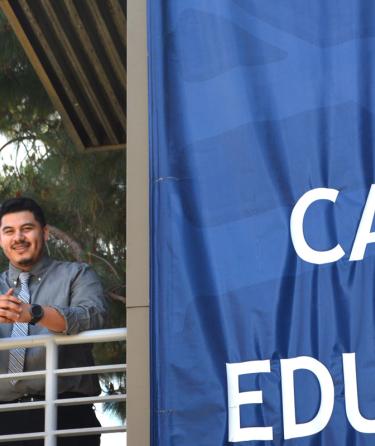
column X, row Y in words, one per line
column 50, row 423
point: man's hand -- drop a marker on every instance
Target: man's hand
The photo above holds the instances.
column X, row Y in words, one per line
column 10, row 307
column 13, row 310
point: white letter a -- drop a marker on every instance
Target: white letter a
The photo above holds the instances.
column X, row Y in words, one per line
column 364, row 235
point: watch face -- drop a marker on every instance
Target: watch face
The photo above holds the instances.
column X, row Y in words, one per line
column 36, row 311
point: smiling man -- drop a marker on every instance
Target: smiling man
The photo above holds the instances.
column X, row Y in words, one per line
column 40, row 295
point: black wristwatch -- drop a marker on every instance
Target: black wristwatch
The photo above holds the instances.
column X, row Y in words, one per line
column 36, row 312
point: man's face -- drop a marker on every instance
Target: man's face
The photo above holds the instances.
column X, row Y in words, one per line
column 22, row 239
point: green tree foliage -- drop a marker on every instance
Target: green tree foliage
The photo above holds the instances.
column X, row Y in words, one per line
column 25, row 108
column 83, row 194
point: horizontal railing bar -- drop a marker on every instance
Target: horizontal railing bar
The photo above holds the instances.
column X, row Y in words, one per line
column 64, row 433
column 15, row 437
column 108, row 335
column 90, row 399
column 25, row 341
column 91, row 370
column 62, row 402
column 89, row 431
column 23, row 375
column 90, row 336
column 11, row 407
column 66, row 372
column 7, row 407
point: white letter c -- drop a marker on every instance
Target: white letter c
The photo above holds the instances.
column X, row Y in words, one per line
column 296, row 228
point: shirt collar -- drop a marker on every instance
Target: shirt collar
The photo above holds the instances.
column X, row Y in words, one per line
column 37, row 270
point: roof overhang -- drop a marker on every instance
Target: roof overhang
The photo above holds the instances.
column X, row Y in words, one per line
column 78, row 49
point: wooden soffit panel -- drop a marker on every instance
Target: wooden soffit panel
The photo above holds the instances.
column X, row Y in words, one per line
column 78, row 49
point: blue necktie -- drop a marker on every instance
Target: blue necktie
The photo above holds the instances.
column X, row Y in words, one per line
column 17, row 355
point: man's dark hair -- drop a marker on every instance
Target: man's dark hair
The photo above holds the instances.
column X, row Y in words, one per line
column 20, row 204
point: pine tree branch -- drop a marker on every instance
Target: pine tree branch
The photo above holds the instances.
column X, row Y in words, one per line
column 74, row 246
column 15, row 161
column 78, row 253
column 17, row 139
column 117, row 297
column 107, row 263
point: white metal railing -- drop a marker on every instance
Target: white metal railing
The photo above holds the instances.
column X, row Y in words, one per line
column 51, row 373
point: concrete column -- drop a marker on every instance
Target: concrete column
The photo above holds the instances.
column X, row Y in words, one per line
column 138, row 388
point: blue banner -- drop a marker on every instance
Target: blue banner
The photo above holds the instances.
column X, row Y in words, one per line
column 262, row 166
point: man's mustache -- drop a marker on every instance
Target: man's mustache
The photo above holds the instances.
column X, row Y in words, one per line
column 22, row 245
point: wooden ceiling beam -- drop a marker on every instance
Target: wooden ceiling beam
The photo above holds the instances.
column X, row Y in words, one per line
column 91, row 53
column 59, row 70
column 107, row 40
column 79, row 71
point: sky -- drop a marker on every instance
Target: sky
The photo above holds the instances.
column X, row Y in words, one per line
column 118, row 439
column 7, row 155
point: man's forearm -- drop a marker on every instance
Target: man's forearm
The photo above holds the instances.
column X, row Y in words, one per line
column 59, row 319
column 52, row 320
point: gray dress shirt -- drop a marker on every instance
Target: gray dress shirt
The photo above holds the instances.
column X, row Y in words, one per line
column 75, row 291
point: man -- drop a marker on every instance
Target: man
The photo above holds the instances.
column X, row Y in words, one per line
column 43, row 295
